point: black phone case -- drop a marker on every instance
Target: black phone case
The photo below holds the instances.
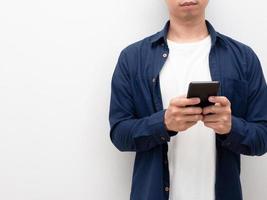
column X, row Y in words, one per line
column 203, row 89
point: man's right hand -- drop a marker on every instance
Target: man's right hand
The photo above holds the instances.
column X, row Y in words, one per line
column 178, row 117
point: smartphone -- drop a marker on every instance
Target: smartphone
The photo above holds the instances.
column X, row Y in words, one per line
column 203, row 89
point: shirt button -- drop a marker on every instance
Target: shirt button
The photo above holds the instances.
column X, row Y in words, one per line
column 162, row 138
column 166, row 189
column 153, row 80
column 164, row 55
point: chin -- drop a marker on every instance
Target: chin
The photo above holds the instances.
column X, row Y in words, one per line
column 190, row 15
column 187, row 17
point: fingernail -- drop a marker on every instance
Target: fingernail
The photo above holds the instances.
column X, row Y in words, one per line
column 211, row 98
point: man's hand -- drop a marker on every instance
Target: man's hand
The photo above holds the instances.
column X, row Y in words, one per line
column 178, row 117
column 220, row 118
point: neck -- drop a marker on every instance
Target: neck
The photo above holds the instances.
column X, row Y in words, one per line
column 187, row 31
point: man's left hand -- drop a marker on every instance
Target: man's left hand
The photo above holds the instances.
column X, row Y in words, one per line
column 220, row 118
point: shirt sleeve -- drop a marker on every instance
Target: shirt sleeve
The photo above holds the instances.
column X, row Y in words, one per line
column 127, row 132
column 248, row 135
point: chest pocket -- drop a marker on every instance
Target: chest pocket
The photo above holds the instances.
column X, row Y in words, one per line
column 237, row 92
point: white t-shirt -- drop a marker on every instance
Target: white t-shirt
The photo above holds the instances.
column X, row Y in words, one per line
column 191, row 153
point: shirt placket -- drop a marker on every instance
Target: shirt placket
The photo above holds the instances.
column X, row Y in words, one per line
column 163, row 55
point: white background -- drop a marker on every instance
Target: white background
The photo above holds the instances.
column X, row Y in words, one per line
column 56, row 62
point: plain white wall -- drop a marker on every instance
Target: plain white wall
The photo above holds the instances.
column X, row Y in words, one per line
column 56, row 62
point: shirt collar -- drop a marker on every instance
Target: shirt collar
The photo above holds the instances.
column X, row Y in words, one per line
column 161, row 36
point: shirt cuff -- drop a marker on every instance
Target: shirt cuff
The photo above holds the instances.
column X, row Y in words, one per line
column 158, row 127
column 233, row 137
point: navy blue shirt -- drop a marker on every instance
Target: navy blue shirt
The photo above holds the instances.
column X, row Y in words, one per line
column 136, row 112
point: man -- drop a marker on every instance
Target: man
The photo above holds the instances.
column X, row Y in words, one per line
column 187, row 153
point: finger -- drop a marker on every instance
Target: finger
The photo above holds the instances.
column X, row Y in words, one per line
column 191, row 110
column 219, row 99
column 189, row 124
column 213, row 109
column 182, row 101
column 212, row 118
column 191, row 118
column 213, row 125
